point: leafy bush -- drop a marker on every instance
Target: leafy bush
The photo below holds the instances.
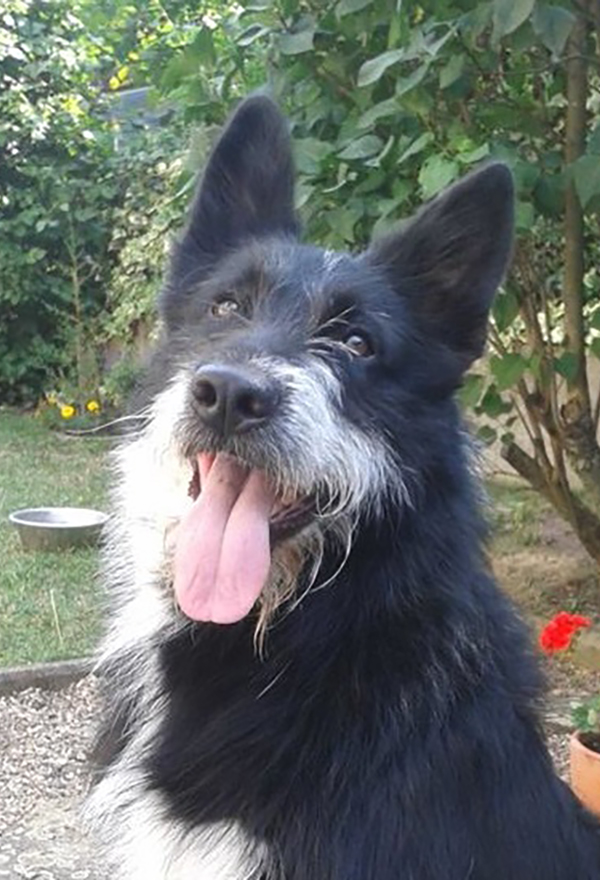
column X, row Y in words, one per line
column 389, row 103
column 55, row 192
column 392, row 102
column 82, row 225
column 156, row 183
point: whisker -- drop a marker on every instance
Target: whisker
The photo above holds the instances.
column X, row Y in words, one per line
column 98, row 429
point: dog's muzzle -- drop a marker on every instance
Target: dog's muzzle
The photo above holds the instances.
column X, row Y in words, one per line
column 243, row 505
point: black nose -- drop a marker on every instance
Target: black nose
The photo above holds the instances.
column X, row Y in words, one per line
column 231, row 401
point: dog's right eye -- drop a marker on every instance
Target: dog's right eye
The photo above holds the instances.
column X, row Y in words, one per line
column 359, row 345
column 225, row 307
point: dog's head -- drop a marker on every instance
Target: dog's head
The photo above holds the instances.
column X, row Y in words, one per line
column 309, row 382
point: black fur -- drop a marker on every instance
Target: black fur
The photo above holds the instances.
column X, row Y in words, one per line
column 390, row 730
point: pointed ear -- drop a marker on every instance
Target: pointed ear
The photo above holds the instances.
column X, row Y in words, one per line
column 450, row 259
column 247, row 190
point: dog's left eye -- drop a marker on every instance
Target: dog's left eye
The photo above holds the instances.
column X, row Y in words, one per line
column 225, row 307
column 358, row 345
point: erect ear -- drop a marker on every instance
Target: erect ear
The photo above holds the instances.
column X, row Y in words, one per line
column 449, row 260
column 247, row 190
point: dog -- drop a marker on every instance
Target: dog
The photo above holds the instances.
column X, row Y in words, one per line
column 310, row 672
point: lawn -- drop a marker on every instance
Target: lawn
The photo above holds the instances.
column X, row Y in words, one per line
column 49, row 602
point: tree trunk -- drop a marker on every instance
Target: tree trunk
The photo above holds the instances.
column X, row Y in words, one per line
column 577, row 423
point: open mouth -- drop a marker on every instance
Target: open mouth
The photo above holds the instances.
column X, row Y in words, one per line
column 290, row 512
column 223, row 545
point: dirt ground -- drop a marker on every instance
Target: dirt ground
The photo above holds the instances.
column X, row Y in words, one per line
column 538, row 559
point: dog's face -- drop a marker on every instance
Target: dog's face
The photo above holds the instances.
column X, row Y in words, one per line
column 307, row 381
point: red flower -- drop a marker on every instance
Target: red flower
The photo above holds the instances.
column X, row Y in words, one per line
column 558, row 634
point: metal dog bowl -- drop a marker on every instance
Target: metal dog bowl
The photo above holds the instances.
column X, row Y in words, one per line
column 55, row 528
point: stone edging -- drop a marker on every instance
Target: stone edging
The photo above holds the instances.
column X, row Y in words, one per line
column 49, row 676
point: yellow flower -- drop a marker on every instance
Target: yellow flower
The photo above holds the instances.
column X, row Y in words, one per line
column 67, row 411
column 51, row 398
column 92, row 406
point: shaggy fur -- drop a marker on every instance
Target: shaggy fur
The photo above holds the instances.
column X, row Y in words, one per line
column 374, row 717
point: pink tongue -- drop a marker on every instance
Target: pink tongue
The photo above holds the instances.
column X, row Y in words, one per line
column 222, row 554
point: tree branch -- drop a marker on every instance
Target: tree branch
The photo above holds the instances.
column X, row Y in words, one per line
column 582, row 518
column 575, row 133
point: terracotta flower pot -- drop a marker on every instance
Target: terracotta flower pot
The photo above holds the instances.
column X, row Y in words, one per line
column 585, row 769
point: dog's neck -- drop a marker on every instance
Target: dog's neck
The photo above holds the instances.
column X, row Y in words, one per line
column 410, row 588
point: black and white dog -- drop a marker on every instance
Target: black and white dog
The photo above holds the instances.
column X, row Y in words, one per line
column 311, row 673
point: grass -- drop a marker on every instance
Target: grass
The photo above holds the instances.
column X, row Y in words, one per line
column 515, row 511
column 49, row 602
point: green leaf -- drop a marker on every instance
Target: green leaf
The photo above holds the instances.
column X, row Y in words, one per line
column 362, row 148
column 579, row 716
column 203, row 46
column 594, row 141
column 507, row 370
column 309, row 153
column 475, row 155
column 471, row 389
column 346, row 7
column 34, row 255
column 535, row 364
column 303, row 193
column 505, row 309
column 566, row 365
column 586, row 175
column 585, row 715
column 432, row 46
column 549, row 195
column 486, row 434
column 395, row 30
column 473, row 24
column 373, row 181
column 385, row 222
column 341, row 222
column 416, row 146
column 595, row 347
column 379, row 111
column 492, row 404
column 437, row 173
column 509, row 15
column 406, row 83
column 386, row 149
column 526, row 175
column 182, row 65
column 373, row 70
column 451, row 71
column 524, row 216
column 254, row 32
column 553, row 24
column 296, row 43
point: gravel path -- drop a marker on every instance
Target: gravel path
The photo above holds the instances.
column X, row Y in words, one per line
column 44, row 739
